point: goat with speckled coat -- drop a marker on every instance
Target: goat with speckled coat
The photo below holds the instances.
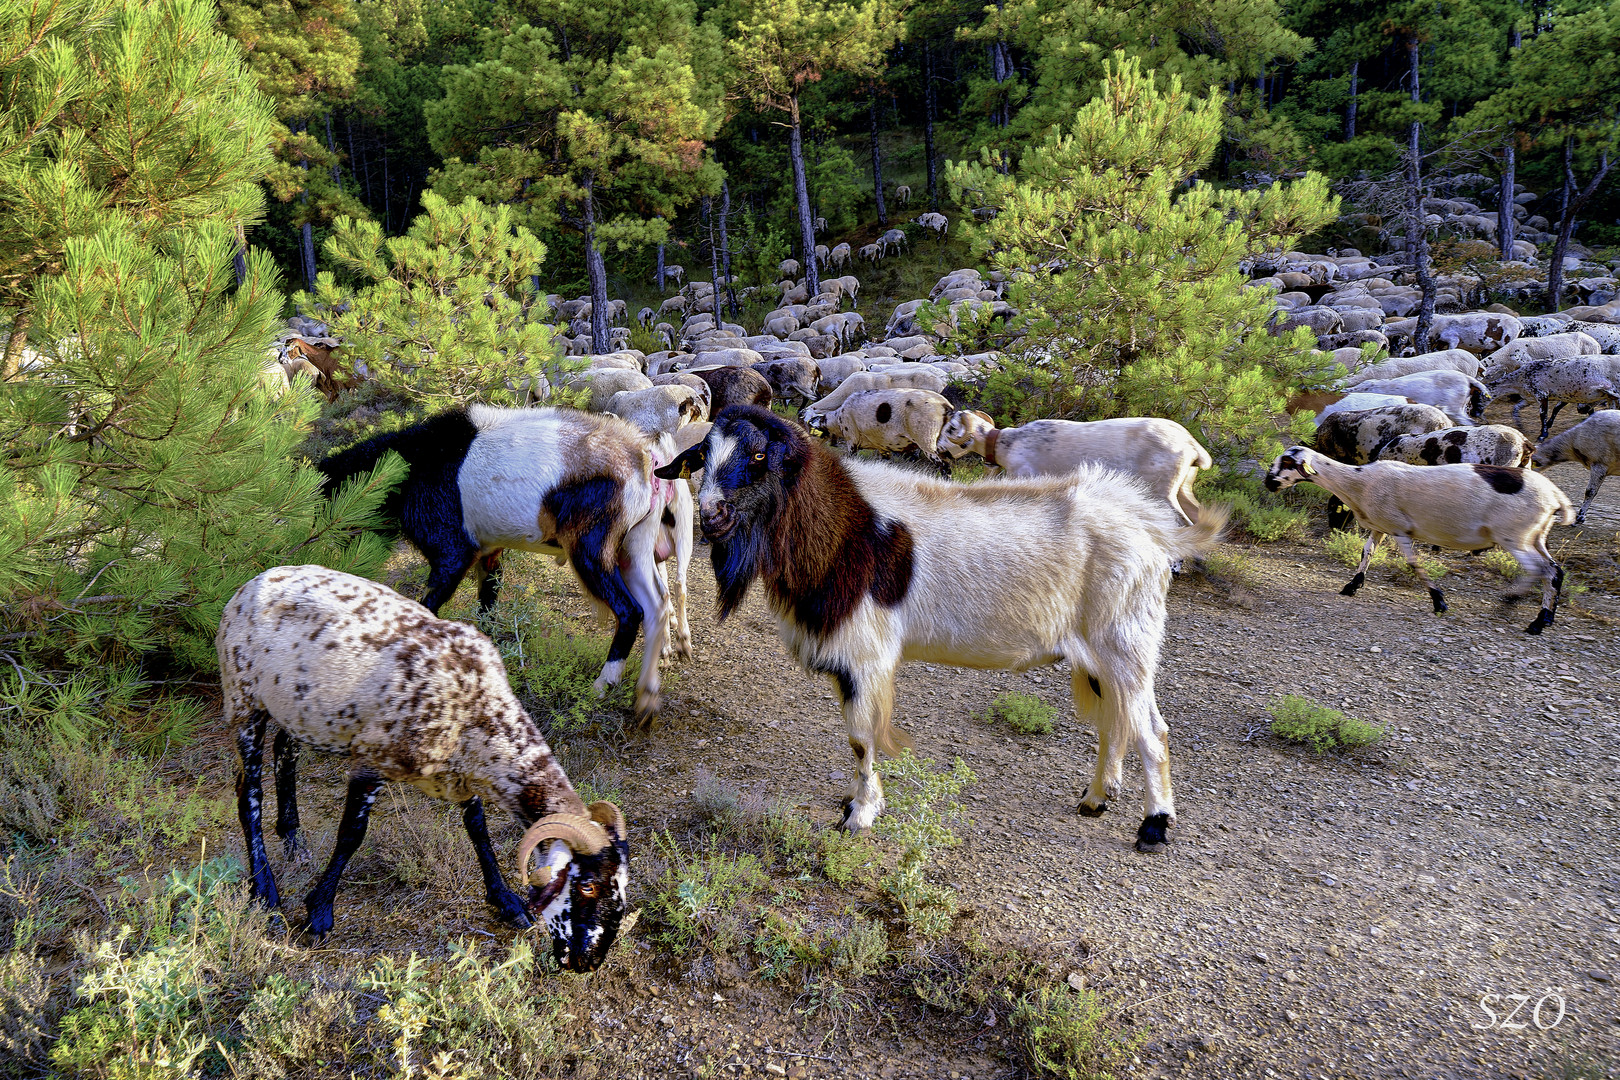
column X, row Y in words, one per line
column 345, row 665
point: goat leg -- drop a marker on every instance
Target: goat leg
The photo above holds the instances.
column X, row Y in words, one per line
column 249, row 802
column 510, row 906
column 363, row 788
column 286, row 755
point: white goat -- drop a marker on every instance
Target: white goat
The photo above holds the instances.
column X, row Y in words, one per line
column 1458, row 507
column 867, row 565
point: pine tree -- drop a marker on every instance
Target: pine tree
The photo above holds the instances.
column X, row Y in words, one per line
column 442, row 314
column 777, row 48
column 145, row 470
column 592, row 115
column 1128, row 281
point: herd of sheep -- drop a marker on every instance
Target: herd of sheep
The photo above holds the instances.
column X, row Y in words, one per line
column 861, row 562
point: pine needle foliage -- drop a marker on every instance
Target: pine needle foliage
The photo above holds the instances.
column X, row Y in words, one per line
column 1126, row 270
column 147, row 469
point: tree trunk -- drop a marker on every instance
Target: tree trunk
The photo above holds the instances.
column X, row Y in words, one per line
column 1001, row 67
column 1350, row 113
column 1417, row 241
column 596, row 270
column 929, row 106
column 306, row 241
column 1568, row 190
column 725, row 252
column 1505, row 204
column 801, row 195
column 1566, row 226
column 877, row 166
column 331, row 146
column 16, row 343
column 388, row 202
column 658, row 274
column 709, row 217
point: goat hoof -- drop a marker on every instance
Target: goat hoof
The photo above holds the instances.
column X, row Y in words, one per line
column 1439, row 601
column 1151, row 836
column 1354, row 584
column 511, row 911
column 295, row 849
column 1543, row 620
column 1092, row 811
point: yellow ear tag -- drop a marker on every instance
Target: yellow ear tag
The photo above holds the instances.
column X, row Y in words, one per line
column 1306, row 465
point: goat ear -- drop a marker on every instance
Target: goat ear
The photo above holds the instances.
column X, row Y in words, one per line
column 692, row 458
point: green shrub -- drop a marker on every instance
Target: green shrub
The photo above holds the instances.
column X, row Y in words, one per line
column 1024, row 713
column 921, row 810
column 1500, row 562
column 1276, row 523
column 1301, row 720
column 1346, row 545
column 705, row 898
column 1266, row 516
column 1232, row 565
column 1066, row 1033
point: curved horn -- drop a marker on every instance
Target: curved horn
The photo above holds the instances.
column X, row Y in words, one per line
column 580, row 834
column 610, row 816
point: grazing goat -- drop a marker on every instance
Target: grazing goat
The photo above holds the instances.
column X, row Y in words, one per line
column 1160, row 453
column 1585, row 381
column 866, row 565
column 1459, row 507
column 348, row 666
column 1594, row 443
column 898, row 377
column 551, row 480
column 892, row 421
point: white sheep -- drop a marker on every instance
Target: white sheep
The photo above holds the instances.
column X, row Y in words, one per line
column 935, row 223
column 1445, row 360
column 895, row 239
column 348, row 666
column 659, row 410
column 923, row 377
column 840, row 256
column 892, row 421
column 1459, row 396
column 1584, row 381
column 1160, row 453
column 902, row 194
column 1593, row 443
column 1458, row 507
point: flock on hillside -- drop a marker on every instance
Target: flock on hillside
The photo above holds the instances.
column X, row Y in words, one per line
column 862, row 562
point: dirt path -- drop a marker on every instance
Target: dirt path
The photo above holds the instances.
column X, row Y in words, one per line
column 1316, row 916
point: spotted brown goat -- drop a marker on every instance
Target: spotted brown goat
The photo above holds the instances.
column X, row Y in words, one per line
column 342, row 664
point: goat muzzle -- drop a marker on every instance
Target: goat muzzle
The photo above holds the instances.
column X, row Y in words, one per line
column 719, row 522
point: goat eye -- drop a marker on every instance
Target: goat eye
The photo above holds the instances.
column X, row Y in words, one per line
column 759, row 457
column 590, row 889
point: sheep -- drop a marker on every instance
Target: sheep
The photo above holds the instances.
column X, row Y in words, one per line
column 726, row 357
column 1161, row 454
column 789, row 268
column 923, row 378
column 1460, row 397
column 1585, row 381
column 645, row 317
column 840, row 256
column 553, row 480
column 934, row 223
column 1488, row 444
column 850, row 284
column 871, row 252
column 348, row 666
column 1459, row 507
column 821, row 254
column 902, row 194
column 866, row 565
column 791, row 377
column 832, row 371
column 1329, row 403
column 1445, row 360
column 678, row 273
column 892, row 421
column 1354, row 436
column 603, row 383
column 673, row 303
column 818, row 224
column 659, row 410
column 732, row 385
column 686, row 378
column 1565, row 346
column 1478, row 331
column 894, row 238
column 1594, row 443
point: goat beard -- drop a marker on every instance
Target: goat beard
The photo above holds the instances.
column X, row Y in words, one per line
column 737, row 560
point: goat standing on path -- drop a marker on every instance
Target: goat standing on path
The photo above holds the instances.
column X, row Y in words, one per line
column 866, row 565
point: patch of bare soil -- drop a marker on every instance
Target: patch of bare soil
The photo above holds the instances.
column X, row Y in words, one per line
column 1445, row 904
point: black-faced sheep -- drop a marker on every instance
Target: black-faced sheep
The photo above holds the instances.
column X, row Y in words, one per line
column 1458, row 507
column 345, row 665
column 556, row 481
column 867, row 565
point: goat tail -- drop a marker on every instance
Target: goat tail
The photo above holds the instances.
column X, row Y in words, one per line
column 890, row 739
column 1196, row 540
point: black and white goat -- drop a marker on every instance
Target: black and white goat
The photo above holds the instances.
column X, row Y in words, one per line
column 867, row 565
column 346, row 665
column 556, row 481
